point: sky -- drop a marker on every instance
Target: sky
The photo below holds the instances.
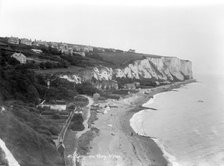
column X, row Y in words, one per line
column 188, row 29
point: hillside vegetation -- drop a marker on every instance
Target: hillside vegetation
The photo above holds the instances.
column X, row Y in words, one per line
column 123, row 58
column 28, row 137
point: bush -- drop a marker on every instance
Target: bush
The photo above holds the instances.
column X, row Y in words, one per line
column 94, row 55
column 86, row 88
column 56, row 116
column 76, row 124
column 19, row 84
column 23, row 84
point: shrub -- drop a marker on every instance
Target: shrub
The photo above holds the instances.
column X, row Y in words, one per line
column 76, row 124
column 86, row 88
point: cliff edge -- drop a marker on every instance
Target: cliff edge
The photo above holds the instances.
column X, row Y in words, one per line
column 147, row 71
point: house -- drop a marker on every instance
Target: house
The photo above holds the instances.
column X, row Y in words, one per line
column 98, row 49
column 39, row 43
column 87, row 49
column 13, row 40
column 58, row 105
column 130, row 86
column 112, row 50
column 96, row 96
column 76, row 48
column 38, row 51
column 54, row 45
column 70, row 51
column 2, row 109
column 26, row 41
column 65, row 49
column 35, row 43
column 131, row 50
column 20, row 57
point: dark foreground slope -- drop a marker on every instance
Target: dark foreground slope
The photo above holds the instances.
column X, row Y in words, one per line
column 20, row 130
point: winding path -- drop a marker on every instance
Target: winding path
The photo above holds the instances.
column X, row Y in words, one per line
column 78, row 134
column 85, row 122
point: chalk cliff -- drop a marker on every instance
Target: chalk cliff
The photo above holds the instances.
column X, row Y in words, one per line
column 150, row 69
column 159, row 69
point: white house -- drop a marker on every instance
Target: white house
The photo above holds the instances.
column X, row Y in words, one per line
column 19, row 57
column 56, row 106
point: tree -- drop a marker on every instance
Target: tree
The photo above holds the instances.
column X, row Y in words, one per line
column 33, row 94
column 86, row 88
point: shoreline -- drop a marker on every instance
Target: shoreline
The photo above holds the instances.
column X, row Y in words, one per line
column 113, row 132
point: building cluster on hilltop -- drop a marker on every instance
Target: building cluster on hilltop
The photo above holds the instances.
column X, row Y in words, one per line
column 65, row 48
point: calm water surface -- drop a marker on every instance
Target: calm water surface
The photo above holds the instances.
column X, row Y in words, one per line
column 188, row 122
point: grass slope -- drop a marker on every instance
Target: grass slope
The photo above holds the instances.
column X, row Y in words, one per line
column 19, row 130
column 124, row 58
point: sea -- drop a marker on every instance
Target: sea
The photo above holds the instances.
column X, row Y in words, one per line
column 187, row 123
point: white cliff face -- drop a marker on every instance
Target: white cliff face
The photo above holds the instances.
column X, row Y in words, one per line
column 161, row 68
column 157, row 69
column 8, row 155
column 102, row 73
column 99, row 73
column 72, row 78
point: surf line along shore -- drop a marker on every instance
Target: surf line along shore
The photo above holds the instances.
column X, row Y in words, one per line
column 110, row 140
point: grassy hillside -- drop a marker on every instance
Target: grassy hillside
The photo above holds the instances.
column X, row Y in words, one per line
column 123, row 58
column 28, row 137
